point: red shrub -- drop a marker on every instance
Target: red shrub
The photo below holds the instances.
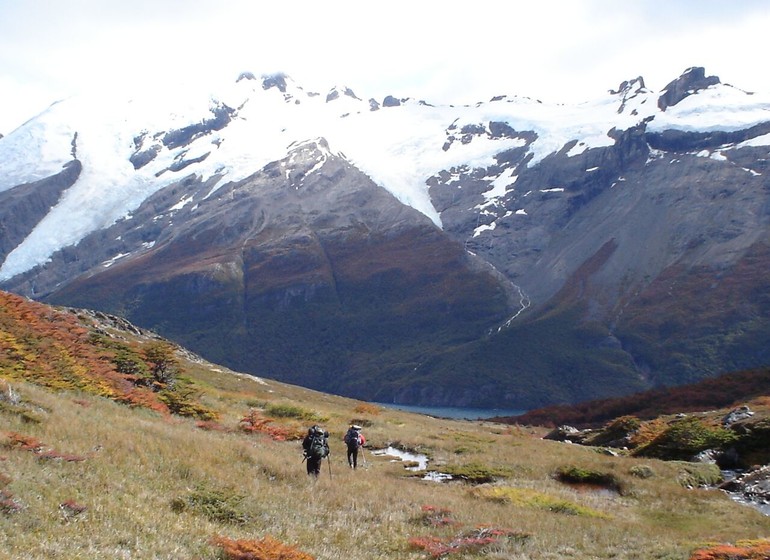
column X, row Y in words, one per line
column 8, row 504
column 25, row 443
column 211, row 426
column 436, row 516
column 56, row 455
column 254, row 422
column 749, row 550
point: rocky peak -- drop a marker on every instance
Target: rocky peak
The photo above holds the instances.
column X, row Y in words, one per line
column 391, row 101
column 245, row 76
column 335, row 93
column 691, row 81
column 277, row 80
column 629, row 89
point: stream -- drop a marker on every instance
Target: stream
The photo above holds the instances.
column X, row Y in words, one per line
column 763, row 506
column 418, row 458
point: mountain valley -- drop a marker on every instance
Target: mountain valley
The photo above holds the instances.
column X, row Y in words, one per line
column 507, row 254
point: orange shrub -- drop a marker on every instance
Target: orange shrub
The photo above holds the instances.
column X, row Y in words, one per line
column 266, row 548
column 254, row 422
column 367, row 408
column 742, row 550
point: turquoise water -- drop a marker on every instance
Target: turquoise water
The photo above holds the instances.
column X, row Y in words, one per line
column 455, row 412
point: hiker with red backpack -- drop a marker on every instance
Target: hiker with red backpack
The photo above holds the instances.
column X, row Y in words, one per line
column 354, row 439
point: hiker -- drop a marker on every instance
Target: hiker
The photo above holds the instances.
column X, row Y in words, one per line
column 316, row 447
column 354, row 439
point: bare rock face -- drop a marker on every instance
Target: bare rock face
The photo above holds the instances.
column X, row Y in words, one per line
column 692, row 80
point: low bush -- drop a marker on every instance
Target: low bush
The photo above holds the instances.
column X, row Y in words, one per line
column 287, row 410
column 217, row 505
column 642, row 471
column 476, row 473
column 572, row 474
column 685, row 438
column 695, row 475
column 618, row 432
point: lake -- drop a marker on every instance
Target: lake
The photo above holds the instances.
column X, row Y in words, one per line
column 459, row 413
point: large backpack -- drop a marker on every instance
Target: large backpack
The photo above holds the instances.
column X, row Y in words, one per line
column 318, row 448
column 353, row 439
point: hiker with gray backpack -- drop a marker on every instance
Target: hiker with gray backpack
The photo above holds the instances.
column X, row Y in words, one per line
column 315, row 448
column 354, row 439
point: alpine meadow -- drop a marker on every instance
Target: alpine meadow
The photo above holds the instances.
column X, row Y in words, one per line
column 116, row 443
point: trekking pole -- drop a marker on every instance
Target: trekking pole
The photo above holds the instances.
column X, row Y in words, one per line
column 329, row 460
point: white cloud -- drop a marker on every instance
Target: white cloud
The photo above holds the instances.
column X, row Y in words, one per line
column 439, row 51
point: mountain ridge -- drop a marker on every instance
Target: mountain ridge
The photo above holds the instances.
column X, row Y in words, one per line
column 507, row 253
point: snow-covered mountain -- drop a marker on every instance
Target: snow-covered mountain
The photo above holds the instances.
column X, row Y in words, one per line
column 509, row 253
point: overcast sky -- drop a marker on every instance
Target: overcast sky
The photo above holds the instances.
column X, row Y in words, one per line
column 442, row 51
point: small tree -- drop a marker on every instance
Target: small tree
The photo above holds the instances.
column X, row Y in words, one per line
column 163, row 363
column 129, row 363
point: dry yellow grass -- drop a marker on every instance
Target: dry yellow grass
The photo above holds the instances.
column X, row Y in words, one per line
column 157, row 487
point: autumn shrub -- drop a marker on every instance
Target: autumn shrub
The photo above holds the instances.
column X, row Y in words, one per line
column 266, row 548
column 211, row 426
column 742, row 550
column 23, row 442
column 367, row 408
column 254, row 422
column 647, row 432
column 53, row 455
column 434, row 516
column 28, row 443
column 8, row 503
column 472, row 541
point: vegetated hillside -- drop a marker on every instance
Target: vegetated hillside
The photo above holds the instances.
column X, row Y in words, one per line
column 720, row 392
column 87, row 472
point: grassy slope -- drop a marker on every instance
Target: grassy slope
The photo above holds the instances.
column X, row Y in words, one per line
column 156, row 485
